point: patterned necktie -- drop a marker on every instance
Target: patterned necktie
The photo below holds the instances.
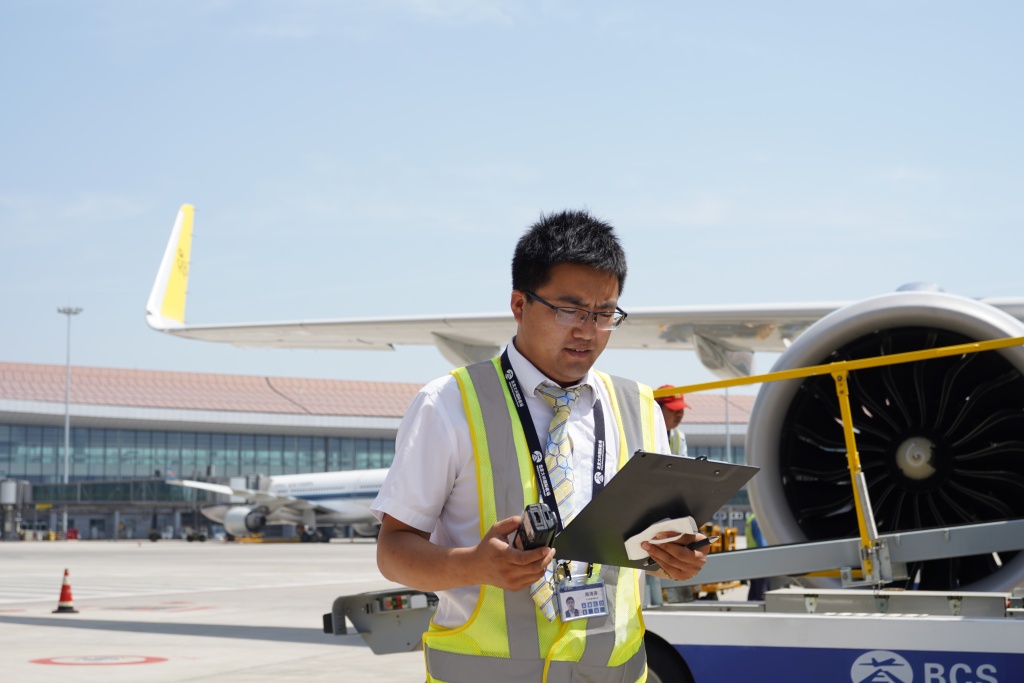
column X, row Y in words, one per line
column 558, row 460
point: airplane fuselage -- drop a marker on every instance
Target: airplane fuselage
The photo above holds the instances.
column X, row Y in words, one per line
column 314, row 499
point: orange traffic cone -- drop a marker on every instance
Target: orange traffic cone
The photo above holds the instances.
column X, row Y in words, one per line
column 65, row 605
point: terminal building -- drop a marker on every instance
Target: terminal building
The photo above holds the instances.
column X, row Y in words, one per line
column 130, row 430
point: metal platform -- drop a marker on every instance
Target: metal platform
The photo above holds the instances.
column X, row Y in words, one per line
column 895, row 550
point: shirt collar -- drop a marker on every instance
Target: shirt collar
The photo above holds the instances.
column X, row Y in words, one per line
column 530, row 377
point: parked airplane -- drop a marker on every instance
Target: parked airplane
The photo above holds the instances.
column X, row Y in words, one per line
column 317, row 500
column 939, row 440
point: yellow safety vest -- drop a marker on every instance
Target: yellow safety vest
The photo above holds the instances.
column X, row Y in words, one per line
column 507, row 634
column 677, row 442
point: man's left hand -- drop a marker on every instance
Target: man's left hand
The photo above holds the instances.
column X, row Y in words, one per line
column 677, row 562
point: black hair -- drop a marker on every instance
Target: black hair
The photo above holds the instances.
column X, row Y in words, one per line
column 566, row 237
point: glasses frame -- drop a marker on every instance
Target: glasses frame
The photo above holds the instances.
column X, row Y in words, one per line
column 569, row 316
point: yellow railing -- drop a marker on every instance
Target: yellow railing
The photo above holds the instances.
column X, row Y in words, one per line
column 840, row 371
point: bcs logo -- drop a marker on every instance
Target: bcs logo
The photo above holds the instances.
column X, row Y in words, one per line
column 508, row 374
column 537, row 457
column 881, row 666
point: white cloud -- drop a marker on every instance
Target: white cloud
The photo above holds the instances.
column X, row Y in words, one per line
column 25, row 217
column 462, row 11
column 909, row 174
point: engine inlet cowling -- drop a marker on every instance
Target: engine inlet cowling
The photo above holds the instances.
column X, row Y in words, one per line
column 242, row 520
column 941, row 441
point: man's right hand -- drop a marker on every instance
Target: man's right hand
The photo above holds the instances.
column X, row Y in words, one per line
column 405, row 555
column 502, row 565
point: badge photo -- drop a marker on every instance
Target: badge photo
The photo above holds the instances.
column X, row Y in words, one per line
column 581, row 601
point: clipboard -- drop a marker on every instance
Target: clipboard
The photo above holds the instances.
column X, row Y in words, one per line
column 649, row 488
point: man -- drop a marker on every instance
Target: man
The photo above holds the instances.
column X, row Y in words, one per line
column 672, row 409
column 570, row 608
column 537, row 423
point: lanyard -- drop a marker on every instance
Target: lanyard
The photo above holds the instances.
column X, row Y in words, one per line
column 533, row 441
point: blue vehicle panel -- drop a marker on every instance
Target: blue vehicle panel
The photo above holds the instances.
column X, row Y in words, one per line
column 714, row 663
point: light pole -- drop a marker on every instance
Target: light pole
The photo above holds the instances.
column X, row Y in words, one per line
column 68, row 311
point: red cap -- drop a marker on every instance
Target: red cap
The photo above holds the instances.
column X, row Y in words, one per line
column 677, row 402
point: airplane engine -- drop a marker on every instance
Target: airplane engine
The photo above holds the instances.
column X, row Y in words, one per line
column 243, row 520
column 366, row 530
column 941, row 441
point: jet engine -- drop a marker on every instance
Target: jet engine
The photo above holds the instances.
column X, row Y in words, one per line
column 242, row 520
column 941, row 441
column 366, row 530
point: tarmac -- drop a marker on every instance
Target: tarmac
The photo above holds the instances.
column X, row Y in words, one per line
column 173, row 611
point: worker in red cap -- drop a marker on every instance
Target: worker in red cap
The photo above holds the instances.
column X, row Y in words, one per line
column 673, row 408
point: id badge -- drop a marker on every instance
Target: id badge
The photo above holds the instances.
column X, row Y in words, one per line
column 579, row 600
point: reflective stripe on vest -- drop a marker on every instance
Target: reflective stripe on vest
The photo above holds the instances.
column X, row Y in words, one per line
column 506, row 629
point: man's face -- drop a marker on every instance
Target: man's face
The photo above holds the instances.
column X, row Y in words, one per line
column 565, row 354
column 672, row 417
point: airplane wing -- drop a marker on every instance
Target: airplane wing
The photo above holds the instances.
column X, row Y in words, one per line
column 724, row 337
column 271, row 501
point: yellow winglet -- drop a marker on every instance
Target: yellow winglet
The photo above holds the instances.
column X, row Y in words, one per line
column 166, row 306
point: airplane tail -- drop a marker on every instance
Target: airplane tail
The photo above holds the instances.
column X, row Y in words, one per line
column 166, row 306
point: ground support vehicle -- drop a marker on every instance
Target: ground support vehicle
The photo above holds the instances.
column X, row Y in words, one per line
column 726, row 543
column 857, row 632
column 800, row 635
column 797, row 635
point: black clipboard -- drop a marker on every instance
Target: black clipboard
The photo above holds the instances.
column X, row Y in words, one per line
column 649, row 488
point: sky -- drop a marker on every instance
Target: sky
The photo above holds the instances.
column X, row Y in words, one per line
column 381, row 158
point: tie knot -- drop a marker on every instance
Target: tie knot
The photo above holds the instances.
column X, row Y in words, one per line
column 558, row 397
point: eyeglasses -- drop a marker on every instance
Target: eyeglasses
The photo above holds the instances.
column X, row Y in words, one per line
column 576, row 317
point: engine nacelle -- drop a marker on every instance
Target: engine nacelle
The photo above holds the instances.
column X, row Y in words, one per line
column 941, row 441
column 366, row 530
column 242, row 520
